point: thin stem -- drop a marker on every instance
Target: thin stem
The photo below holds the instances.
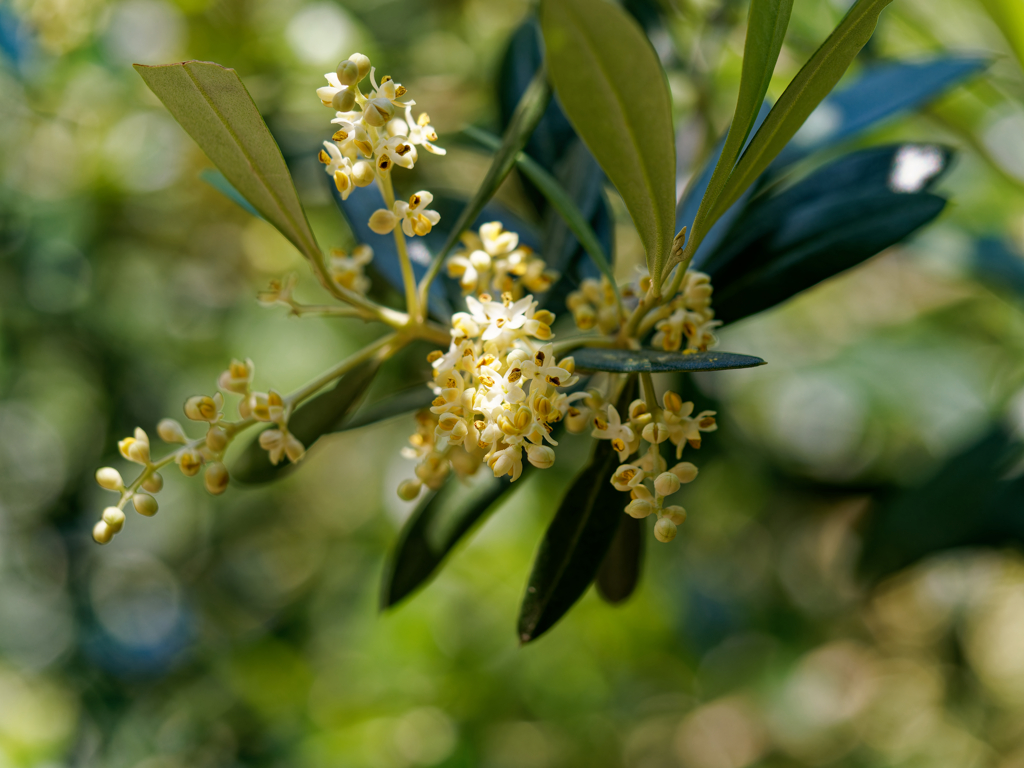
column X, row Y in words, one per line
column 384, row 346
column 412, row 305
column 328, row 310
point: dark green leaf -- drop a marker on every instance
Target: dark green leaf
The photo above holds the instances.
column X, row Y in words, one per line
column 323, row 414
column 969, row 502
column 577, row 540
column 621, row 568
column 440, row 521
column 766, row 29
column 212, row 105
column 613, row 90
column 812, row 84
column 657, row 361
column 412, row 399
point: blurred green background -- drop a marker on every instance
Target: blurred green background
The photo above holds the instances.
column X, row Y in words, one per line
column 243, row 630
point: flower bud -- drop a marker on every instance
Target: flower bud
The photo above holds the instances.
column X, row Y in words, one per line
column 673, row 403
column 639, row 508
column 109, row 478
column 664, row 530
column 347, row 72
column 666, row 484
column 382, row 221
column 409, row 489
column 145, row 504
column 216, row 478
column 363, row 174
column 216, row 439
column 189, row 462
column 344, row 100
column 138, row 452
column 201, row 408
column 170, row 431
column 362, row 65
column 685, row 471
column 655, row 433
column 541, row 456
column 154, row 483
column 101, row 533
column 114, row 518
column 675, row 513
column 377, row 112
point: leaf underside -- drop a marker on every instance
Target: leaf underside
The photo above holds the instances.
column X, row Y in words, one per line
column 658, row 361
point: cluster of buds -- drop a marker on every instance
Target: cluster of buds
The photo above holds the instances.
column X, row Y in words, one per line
column 647, row 477
column 376, row 131
column 688, row 316
column 494, row 259
column 594, row 305
column 347, row 271
column 195, row 454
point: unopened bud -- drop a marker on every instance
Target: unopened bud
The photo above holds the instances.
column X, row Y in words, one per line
column 201, row 408
column 672, row 402
column 109, row 478
column 666, row 484
column 639, row 508
column 190, row 462
column 114, row 518
column 216, row 439
column 655, row 433
column 347, row 72
column 409, row 489
column 541, row 456
column 344, row 100
column 101, row 533
column 675, row 513
column 154, row 483
column 363, row 174
column 145, row 504
column 664, row 530
column 382, row 221
column 138, row 452
column 170, row 431
column 216, row 478
column 685, row 471
column 362, row 65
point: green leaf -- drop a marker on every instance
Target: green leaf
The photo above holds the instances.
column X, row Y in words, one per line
column 216, row 180
column 657, row 361
column 212, row 105
column 812, row 84
column 766, row 29
column 411, row 399
column 559, row 199
column 613, row 90
column 620, row 570
column 528, row 113
column 577, row 540
column 1009, row 17
column 323, row 414
column 440, row 521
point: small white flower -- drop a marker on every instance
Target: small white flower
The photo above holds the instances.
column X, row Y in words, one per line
column 422, row 133
column 339, row 168
column 415, row 217
column 394, row 151
column 612, row 428
column 280, row 443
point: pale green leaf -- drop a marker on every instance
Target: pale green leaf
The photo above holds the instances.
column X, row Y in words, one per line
column 766, row 29
column 212, row 105
column 812, row 84
column 613, row 90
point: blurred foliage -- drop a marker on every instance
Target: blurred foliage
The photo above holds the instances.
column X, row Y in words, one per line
column 244, row 630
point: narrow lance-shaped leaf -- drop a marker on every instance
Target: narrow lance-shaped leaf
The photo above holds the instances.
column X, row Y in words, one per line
column 216, row 180
column 613, row 90
column 212, row 105
column 766, row 29
column 577, row 540
column 529, row 111
column 323, row 414
column 440, row 522
column 619, row 574
column 812, row 84
column 658, row 361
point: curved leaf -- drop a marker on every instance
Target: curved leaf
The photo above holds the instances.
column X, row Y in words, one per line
column 323, row 414
column 620, row 570
column 408, row 400
column 438, row 524
column 216, row 180
column 613, row 89
column 212, row 105
column 766, row 29
column 658, row 361
column 811, row 84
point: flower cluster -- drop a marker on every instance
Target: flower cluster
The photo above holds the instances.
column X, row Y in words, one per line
column 647, row 477
column 194, row 454
column 494, row 259
column 594, row 305
column 689, row 316
column 376, row 131
column 499, row 394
